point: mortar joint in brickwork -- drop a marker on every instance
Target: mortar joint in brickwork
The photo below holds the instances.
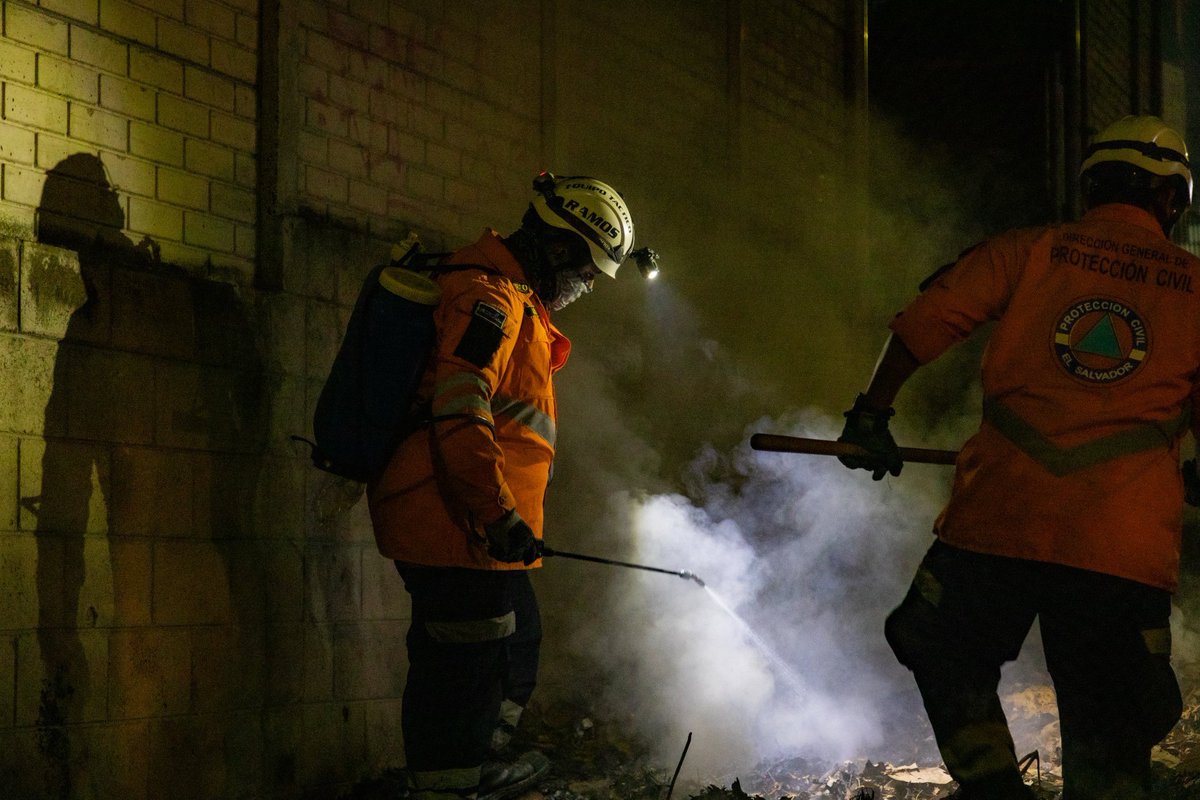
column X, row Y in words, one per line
column 129, row 41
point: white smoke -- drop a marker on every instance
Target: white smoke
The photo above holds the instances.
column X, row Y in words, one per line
column 808, row 558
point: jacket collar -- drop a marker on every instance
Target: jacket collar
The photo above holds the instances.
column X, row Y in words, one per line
column 491, row 245
column 1130, row 215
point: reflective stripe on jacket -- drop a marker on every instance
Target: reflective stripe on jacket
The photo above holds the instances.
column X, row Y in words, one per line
column 1089, row 381
column 490, row 388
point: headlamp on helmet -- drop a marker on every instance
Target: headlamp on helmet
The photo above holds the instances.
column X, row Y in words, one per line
column 647, row 262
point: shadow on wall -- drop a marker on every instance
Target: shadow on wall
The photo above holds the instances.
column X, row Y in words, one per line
column 155, row 432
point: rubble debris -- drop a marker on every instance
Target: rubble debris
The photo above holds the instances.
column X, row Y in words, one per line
column 911, row 773
column 594, row 758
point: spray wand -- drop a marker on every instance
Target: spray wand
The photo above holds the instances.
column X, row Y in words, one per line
column 679, row 573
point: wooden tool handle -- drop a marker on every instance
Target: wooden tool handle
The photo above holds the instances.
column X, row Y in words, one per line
column 824, row 447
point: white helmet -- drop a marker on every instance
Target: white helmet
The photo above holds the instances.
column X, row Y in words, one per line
column 590, row 208
column 1145, row 142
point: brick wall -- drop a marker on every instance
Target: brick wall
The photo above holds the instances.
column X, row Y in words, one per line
column 150, row 606
column 1119, row 69
column 1107, row 65
column 414, row 116
column 162, row 93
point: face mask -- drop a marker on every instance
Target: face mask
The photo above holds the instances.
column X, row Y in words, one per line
column 570, row 287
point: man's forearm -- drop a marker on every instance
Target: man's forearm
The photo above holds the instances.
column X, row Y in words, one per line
column 896, row 365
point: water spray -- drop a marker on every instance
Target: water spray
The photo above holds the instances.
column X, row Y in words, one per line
column 793, row 680
column 679, row 573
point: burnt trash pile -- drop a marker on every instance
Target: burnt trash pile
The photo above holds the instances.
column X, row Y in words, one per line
column 592, row 757
column 599, row 758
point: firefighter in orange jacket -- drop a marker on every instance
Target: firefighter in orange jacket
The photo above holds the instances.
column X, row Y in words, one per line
column 1067, row 503
column 459, row 508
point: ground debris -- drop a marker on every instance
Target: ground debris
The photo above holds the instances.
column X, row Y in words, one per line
column 602, row 760
column 852, row 780
column 734, row 792
column 598, row 758
column 593, row 758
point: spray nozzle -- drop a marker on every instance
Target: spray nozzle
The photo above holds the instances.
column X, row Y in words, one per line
column 690, row 576
column 647, row 262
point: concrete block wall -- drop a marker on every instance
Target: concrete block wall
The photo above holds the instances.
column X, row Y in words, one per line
column 175, row 621
column 162, row 93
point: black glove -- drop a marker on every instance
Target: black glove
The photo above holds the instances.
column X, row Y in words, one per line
column 869, row 430
column 511, row 540
column 1191, row 483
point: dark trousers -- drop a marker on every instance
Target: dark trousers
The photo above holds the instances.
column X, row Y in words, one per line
column 524, row 647
column 1107, row 647
column 474, row 640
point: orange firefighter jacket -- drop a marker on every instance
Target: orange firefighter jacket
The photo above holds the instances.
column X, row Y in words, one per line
column 490, row 382
column 1089, row 381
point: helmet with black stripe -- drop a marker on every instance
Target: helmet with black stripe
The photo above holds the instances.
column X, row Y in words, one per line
column 1132, row 161
column 592, row 210
column 1146, row 142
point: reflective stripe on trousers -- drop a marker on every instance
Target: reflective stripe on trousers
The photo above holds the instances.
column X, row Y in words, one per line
column 472, row 630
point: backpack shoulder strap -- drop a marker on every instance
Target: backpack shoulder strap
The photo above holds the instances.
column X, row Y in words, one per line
column 443, row 269
column 433, row 264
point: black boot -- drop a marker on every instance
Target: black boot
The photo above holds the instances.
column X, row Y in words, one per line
column 500, row 780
